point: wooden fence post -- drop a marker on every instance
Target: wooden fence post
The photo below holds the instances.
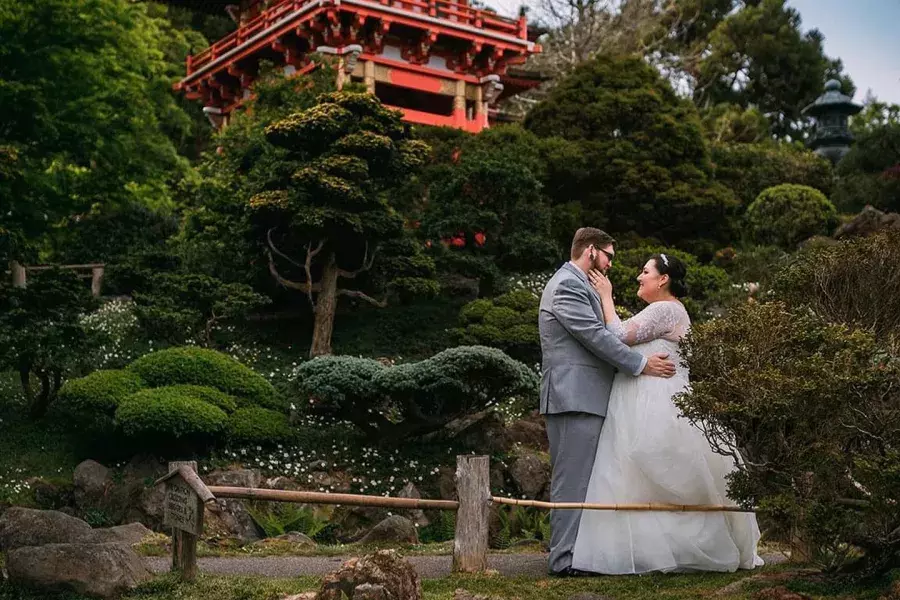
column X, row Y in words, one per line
column 184, row 543
column 96, row 281
column 474, row 490
column 18, row 274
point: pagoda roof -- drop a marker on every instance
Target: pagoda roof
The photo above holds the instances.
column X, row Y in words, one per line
column 833, row 100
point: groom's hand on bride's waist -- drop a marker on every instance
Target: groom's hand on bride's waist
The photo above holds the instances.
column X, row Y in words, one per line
column 659, row 365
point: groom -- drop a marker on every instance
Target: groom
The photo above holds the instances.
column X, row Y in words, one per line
column 580, row 359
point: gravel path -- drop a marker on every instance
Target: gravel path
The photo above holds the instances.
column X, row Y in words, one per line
column 429, row 567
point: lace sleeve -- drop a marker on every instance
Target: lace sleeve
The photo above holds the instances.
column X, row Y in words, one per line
column 659, row 320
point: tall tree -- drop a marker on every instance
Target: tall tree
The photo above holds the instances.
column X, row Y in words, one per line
column 759, row 57
column 87, row 108
column 331, row 217
column 631, row 153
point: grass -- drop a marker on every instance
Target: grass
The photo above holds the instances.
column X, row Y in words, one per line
column 662, row 587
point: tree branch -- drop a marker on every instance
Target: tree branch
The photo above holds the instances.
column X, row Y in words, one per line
column 303, row 286
column 362, row 296
column 279, row 252
column 310, row 254
column 367, row 264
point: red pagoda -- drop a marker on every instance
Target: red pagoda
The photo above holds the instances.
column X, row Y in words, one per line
column 440, row 62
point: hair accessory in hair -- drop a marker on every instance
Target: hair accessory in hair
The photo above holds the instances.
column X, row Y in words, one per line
column 665, row 259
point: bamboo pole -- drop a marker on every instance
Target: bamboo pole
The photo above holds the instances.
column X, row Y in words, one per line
column 322, row 498
column 638, row 507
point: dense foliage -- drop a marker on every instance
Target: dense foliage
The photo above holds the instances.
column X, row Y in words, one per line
column 806, row 387
column 637, row 160
column 199, row 366
column 508, row 322
column 788, row 214
column 412, row 399
column 41, row 337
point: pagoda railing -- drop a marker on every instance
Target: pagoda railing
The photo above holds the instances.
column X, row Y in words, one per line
column 442, row 9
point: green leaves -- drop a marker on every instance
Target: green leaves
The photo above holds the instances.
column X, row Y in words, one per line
column 788, row 214
column 413, row 398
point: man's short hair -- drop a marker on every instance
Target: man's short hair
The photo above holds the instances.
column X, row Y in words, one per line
column 587, row 236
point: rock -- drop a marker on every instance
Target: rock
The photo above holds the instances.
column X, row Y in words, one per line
column 303, row 596
column 483, row 431
column 417, row 516
column 393, row 529
column 52, row 495
column 233, row 520
column 529, row 434
column 447, row 483
column 104, row 570
column 867, row 222
column 20, row 527
column 369, row 591
column 531, row 474
column 250, row 478
column 92, row 480
column 779, row 593
column 397, row 578
column 588, row 596
column 281, row 483
column 318, row 465
column 128, row 534
column 335, row 481
column 147, row 505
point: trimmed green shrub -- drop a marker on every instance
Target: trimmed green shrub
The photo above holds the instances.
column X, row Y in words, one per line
column 508, row 322
column 706, row 283
column 100, row 393
column 256, row 425
column 788, row 214
column 199, row 366
column 227, row 403
column 170, row 413
column 412, row 399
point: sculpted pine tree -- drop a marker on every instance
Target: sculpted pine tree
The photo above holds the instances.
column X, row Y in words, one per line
column 335, row 207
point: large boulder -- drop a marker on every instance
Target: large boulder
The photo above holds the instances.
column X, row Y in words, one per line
column 92, row 480
column 234, row 520
column 867, row 222
column 394, row 529
column 128, row 534
column 103, row 570
column 531, row 474
column 380, row 576
column 529, row 432
column 20, row 527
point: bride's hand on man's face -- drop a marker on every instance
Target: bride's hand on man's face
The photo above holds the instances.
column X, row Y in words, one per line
column 601, row 283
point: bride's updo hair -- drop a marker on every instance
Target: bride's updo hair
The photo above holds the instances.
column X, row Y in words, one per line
column 669, row 265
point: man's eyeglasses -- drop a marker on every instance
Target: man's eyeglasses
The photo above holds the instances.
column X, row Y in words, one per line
column 609, row 255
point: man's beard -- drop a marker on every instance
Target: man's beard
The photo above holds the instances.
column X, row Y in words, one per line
column 594, row 265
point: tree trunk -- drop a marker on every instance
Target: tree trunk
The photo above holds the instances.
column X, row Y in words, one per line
column 326, row 303
column 41, row 402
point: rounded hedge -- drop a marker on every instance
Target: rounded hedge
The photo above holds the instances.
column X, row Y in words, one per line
column 199, row 366
column 226, row 402
column 785, row 215
column 100, row 393
column 168, row 413
column 256, row 425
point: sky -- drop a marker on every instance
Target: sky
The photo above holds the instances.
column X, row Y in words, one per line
column 865, row 34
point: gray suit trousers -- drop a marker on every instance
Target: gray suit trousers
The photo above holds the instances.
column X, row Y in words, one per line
column 573, row 447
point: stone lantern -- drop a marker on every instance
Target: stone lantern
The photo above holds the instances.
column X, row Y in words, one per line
column 831, row 137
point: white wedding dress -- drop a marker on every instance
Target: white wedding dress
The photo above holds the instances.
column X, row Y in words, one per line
column 648, row 453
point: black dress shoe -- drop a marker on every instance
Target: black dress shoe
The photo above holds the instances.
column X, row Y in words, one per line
column 570, row 572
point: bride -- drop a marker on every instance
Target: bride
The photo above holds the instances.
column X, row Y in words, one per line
column 648, row 453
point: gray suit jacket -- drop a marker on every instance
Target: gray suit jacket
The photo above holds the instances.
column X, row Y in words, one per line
column 579, row 355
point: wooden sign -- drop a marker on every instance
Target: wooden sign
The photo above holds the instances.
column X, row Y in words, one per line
column 182, row 508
